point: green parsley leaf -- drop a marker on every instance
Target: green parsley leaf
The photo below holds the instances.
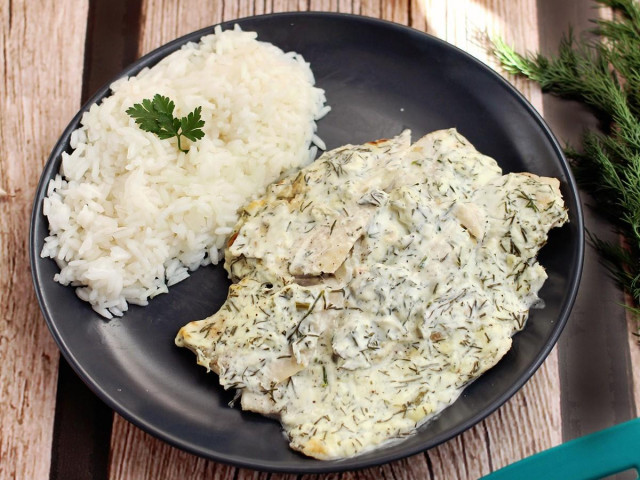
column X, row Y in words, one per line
column 156, row 116
column 191, row 125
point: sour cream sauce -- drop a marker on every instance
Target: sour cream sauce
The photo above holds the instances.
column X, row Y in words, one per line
column 360, row 316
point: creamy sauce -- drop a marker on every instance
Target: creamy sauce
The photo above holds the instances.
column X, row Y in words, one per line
column 375, row 284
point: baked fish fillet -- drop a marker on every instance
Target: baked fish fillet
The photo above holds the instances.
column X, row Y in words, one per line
column 373, row 285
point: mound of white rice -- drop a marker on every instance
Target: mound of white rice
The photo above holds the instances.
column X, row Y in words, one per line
column 129, row 214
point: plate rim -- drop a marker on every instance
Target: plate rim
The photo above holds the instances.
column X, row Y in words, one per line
column 318, row 466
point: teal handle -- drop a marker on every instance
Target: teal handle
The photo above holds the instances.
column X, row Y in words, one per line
column 592, row 457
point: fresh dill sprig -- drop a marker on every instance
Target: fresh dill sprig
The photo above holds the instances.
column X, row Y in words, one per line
column 156, row 116
column 602, row 72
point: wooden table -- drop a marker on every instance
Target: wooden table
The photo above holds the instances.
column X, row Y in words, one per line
column 55, row 54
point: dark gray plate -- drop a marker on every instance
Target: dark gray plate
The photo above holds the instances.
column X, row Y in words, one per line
column 379, row 78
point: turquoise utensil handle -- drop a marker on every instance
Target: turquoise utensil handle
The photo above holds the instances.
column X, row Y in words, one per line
column 592, row 457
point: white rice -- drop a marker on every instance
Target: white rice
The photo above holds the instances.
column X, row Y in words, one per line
column 130, row 215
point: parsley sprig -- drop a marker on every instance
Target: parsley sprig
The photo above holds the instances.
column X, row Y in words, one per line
column 603, row 73
column 156, row 116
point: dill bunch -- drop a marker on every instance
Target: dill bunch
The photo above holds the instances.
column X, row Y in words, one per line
column 602, row 72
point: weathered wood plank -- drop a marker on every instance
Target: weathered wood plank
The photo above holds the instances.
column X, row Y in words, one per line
column 32, row 37
column 530, row 421
column 594, row 343
column 41, row 68
column 469, row 24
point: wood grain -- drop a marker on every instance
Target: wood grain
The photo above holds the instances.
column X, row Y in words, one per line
column 528, row 423
column 596, row 358
column 469, row 24
column 40, row 44
column 39, row 93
